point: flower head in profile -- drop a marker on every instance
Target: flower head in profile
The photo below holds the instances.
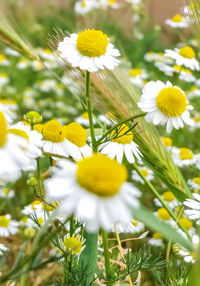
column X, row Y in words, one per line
column 121, row 144
column 94, row 190
column 165, row 103
column 89, row 50
column 177, row 21
column 184, row 56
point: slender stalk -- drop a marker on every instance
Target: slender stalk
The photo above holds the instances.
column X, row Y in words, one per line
column 122, row 254
column 106, row 257
column 155, row 192
column 89, row 109
column 38, row 177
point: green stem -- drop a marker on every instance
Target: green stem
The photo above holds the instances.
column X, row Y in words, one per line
column 106, row 257
column 38, row 177
column 88, row 258
column 89, row 109
column 160, row 199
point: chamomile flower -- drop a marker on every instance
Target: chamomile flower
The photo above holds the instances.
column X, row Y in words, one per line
column 163, row 214
column 55, row 142
column 11, row 52
column 9, row 110
column 193, row 208
column 177, row 21
column 132, row 227
column 83, row 119
column 6, row 192
column 89, row 50
column 156, row 240
column 137, row 76
column 146, row 172
column 83, row 7
column 73, row 244
column 104, row 4
column 7, row 226
column 188, row 256
column 186, row 223
column 13, row 145
column 47, row 54
column 121, row 144
column 194, row 183
column 167, row 142
column 23, row 64
column 94, row 190
column 77, row 135
column 183, row 157
column 184, row 57
column 184, row 73
column 3, row 60
column 169, row 199
column 194, row 92
column 3, row 79
column 196, row 121
column 165, row 103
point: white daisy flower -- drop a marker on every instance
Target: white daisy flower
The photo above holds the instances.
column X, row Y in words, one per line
column 177, row 21
column 47, row 54
column 186, row 223
column 3, row 249
column 165, row 103
column 23, row 64
column 157, row 57
column 163, row 214
column 122, row 145
column 156, row 240
column 184, row 57
column 7, row 226
column 183, row 73
column 3, row 60
column 146, row 172
column 83, row 119
column 189, row 257
column 8, row 108
column 36, row 65
column 11, row 52
column 194, row 183
column 196, row 121
column 55, row 142
column 183, row 157
column 13, row 144
column 137, row 76
column 6, row 192
column 3, row 79
column 83, row 7
column 167, row 142
column 194, row 92
column 94, row 190
column 193, row 205
column 132, row 227
column 104, row 4
column 169, row 199
column 73, row 244
column 89, row 50
column 77, row 135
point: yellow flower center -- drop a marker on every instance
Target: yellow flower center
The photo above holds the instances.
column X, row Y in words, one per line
column 177, row 18
column 111, row 2
column 75, row 133
column 144, row 172
column 171, row 101
column 47, row 51
column 194, row 88
column 185, row 222
column 34, row 204
column 6, row 191
column 92, row 43
column 2, row 57
column 101, row 175
column 38, row 128
column 85, row 115
column 181, row 69
column 196, row 180
column 8, row 101
column 3, row 130
column 135, row 72
column 123, row 139
column 73, row 244
column 53, row 131
column 168, row 197
column 4, row 75
column 163, row 214
column 157, row 235
column 83, row 4
column 187, row 52
column 197, row 119
column 50, row 207
column 167, row 141
column 4, row 221
column 134, row 222
column 40, row 220
column 19, row 132
column 185, row 154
